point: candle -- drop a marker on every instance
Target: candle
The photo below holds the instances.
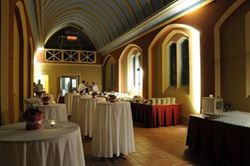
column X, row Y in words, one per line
column 52, row 124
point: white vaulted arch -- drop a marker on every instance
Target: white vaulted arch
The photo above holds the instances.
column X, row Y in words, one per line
column 130, row 70
column 161, row 39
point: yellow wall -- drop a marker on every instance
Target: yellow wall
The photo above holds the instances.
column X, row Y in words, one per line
column 90, row 73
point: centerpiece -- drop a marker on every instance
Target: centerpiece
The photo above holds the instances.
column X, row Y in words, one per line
column 33, row 118
column 46, row 99
column 138, row 99
column 32, row 115
column 94, row 94
column 112, row 98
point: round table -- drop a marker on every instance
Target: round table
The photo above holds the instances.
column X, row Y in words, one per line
column 68, row 100
column 112, row 130
column 76, row 107
column 56, row 111
column 85, row 114
column 60, row 146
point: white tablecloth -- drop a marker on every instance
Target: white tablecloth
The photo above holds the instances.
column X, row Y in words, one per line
column 235, row 117
column 61, row 146
column 54, row 111
column 68, row 100
column 112, row 130
column 85, row 114
column 76, row 107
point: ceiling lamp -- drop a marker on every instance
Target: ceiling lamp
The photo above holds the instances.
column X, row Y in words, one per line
column 71, row 37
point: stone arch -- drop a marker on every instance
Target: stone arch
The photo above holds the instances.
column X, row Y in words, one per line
column 123, row 68
column 20, row 61
column 158, row 48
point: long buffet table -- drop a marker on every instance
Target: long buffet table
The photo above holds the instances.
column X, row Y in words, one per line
column 156, row 115
column 225, row 139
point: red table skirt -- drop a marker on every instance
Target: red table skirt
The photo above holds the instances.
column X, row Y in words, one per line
column 156, row 115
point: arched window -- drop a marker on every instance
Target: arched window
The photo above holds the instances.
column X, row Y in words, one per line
column 177, row 61
column 130, row 70
column 172, row 66
column 134, row 73
column 184, row 62
column 112, row 74
column 176, row 45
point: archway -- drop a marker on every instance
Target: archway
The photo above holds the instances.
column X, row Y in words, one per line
column 21, row 84
column 130, row 70
column 157, row 51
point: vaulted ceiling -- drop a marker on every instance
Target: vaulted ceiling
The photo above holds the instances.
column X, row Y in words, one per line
column 107, row 23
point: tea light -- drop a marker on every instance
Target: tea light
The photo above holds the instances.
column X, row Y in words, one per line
column 52, row 124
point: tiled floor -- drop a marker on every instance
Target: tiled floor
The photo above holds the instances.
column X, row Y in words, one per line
column 164, row 146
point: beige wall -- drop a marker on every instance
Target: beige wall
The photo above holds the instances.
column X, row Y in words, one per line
column 90, row 73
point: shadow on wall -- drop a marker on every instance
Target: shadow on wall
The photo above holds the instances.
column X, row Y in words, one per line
column 182, row 98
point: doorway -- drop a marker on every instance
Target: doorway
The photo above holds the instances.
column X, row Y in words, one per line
column 68, row 84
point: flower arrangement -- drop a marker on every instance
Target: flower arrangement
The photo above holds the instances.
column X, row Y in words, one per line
column 138, row 99
column 112, row 98
column 33, row 118
column 94, row 94
column 46, row 99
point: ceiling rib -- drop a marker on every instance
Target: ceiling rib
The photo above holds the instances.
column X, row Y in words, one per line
column 107, row 23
